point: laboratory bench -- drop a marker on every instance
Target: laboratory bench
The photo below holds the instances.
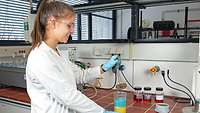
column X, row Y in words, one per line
column 104, row 98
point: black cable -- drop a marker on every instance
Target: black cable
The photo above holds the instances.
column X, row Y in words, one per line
column 163, row 75
column 127, row 80
column 180, row 85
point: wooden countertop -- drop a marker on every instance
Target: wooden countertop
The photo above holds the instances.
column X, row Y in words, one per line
column 104, row 98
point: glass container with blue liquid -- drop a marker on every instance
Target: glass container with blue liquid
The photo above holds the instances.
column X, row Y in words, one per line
column 120, row 102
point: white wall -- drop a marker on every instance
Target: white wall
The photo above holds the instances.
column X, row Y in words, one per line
column 179, row 58
column 176, row 52
column 97, row 54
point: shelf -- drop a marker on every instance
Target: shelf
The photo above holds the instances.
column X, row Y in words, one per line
column 167, row 40
column 189, row 28
column 103, row 6
column 152, row 3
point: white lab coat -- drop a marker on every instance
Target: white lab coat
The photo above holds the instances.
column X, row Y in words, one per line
column 51, row 83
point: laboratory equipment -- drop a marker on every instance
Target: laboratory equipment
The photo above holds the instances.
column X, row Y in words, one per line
column 163, row 25
column 191, row 109
column 196, row 107
column 195, row 103
column 159, row 95
column 121, row 86
column 120, row 102
column 138, row 96
column 147, row 95
column 196, row 92
column 114, row 60
column 192, row 98
column 154, row 69
column 162, row 108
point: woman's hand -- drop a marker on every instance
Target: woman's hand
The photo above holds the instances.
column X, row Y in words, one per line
column 110, row 63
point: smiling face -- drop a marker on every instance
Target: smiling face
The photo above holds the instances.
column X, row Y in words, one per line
column 59, row 29
column 54, row 23
column 64, row 28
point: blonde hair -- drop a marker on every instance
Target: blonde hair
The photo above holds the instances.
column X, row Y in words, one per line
column 46, row 9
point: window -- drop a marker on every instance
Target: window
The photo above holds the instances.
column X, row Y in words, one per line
column 94, row 26
column 12, row 14
column 178, row 23
column 102, row 25
column 84, row 27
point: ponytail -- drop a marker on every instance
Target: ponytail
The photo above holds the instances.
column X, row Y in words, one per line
column 38, row 29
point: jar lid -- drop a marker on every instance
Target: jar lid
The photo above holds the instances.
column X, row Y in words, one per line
column 147, row 88
column 137, row 88
column 159, row 89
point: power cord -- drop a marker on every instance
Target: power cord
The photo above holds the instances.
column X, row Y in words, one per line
column 182, row 86
column 95, row 90
column 163, row 75
column 126, row 80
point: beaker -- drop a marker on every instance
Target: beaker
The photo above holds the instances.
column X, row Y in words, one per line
column 120, row 102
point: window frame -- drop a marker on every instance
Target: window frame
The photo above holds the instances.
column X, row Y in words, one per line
column 134, row 33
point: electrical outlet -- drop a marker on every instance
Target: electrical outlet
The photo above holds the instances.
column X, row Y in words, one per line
column 97, row 51
column 72, row 53
column 116, row 50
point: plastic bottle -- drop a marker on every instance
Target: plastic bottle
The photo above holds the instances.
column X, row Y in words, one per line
column 147, row 95
column 159, row 97
column 138, row 96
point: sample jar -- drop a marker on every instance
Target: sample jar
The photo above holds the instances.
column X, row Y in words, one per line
column 159, row 97
column 138, row 96
column 147, row 95
column 120, row 102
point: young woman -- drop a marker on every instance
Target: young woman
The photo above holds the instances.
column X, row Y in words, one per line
column 51, row 77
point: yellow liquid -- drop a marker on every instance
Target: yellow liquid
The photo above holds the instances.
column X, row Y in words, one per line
column 120, row 109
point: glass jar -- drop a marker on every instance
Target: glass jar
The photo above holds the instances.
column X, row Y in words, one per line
column 147, row 95
column 138, row 96
column 120, row 102
column 159, row 97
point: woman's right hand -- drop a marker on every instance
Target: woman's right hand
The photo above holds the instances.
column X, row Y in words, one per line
column 110, row 63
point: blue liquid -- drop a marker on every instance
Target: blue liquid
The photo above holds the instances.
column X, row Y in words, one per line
column 120, row 105
column 120, row 102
